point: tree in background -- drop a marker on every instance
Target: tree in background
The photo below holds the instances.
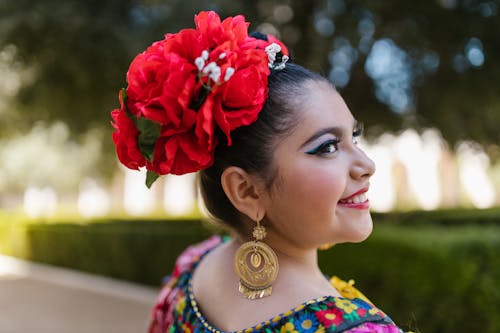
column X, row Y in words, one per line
column 398, row 64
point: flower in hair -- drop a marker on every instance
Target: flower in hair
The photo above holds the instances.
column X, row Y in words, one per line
column 185, row 88
column 272, row 50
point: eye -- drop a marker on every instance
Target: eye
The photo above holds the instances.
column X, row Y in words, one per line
column 328, row 147
column 357, row 133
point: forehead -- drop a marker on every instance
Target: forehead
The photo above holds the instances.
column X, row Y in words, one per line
column 323, row 108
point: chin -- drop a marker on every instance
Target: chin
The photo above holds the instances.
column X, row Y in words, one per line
column 361, row 230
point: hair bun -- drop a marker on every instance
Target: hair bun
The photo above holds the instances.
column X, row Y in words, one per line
column 271, row 39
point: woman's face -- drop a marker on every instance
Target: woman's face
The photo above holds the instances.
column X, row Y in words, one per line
column 319, row 194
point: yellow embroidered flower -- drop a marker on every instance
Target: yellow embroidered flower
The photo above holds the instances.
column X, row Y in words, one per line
column 288, row 328
column 306, row 324
column 347, row 289
column 187, row 328
column 321, row 329
column 181, row 305
column 345, row 305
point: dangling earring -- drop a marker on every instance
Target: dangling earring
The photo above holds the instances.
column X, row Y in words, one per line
column 257, row 266
column 326, row 246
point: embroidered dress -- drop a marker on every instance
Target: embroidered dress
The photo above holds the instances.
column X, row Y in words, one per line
column 177, row 311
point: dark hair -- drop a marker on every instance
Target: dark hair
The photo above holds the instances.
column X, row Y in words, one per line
column 252, row 146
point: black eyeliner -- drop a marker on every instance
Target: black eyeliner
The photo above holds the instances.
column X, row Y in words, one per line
column 323, row 145
column 358, row 130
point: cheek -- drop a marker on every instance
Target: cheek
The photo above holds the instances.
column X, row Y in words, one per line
column 321, row 183
column 304, row 205
column 312, row 189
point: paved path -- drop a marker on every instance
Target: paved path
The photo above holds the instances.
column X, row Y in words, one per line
column 44, row 299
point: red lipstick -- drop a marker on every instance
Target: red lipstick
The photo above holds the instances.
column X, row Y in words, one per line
column 363, row 190
column 359, row 205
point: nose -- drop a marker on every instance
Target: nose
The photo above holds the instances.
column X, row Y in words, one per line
column 363, row 167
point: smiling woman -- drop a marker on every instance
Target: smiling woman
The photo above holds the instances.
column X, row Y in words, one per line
column 279, row 165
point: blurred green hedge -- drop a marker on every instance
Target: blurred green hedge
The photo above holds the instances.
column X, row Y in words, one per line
column 427, row 278
column 452, row 217
column 139, row 251
column 429, row 274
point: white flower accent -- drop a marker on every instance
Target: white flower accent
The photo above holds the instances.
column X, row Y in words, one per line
column 205, row 55
column 208, row 68
column 281, row 65
column 272, row 50
column 213, row 71
column 229, row 73
column 200, row 63
column 215, row 74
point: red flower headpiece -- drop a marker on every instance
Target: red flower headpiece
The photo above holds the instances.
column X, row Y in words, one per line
column 184, row 86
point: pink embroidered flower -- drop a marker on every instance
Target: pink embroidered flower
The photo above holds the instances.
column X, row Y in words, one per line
column 161, row 315
column 192, row 253
column 375, row 328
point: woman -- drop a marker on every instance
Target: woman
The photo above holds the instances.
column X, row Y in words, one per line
column 276, row 147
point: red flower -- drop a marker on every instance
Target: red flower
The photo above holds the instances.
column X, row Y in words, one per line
column 214, row 33
column 361, row 312
column 329, row 317
column 189, row 84
column 125, row 139
column 188, row 155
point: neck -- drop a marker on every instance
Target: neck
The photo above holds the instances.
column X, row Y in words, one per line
column 293, row 259
column 298, row 266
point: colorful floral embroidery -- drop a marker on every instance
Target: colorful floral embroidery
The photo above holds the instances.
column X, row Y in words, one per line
column 345, row 304
column 177, row 310
column 373, row 311
column 321, row 329
column 307, row 322
column 288, row 328
column 347, row 289
column 187, row 328
column 330, row 317
column 181, row 305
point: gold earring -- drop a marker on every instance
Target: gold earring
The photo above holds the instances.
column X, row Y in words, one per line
column 326, row 246
column 256, row 265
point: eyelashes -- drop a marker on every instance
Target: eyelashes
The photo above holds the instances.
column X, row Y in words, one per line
column 357, row 133
column 332, row 145
column 327, row 147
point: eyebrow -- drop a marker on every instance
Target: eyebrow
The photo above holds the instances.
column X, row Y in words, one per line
column 335, row 130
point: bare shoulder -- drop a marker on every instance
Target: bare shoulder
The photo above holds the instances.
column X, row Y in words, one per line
column 214, row 270
column 215, row 286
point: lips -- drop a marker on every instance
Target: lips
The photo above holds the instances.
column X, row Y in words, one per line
column 357, row 200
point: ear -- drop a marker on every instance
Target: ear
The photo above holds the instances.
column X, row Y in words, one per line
column 242, row 189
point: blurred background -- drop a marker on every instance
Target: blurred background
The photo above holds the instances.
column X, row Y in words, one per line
column 422, row 76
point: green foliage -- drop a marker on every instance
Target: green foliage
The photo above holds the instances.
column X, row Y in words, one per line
column 143, row 252
column 149, row 130
column 452, row 217
column 151, row 177
column 427, row 278
column 79, row 52
column 429, row 272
